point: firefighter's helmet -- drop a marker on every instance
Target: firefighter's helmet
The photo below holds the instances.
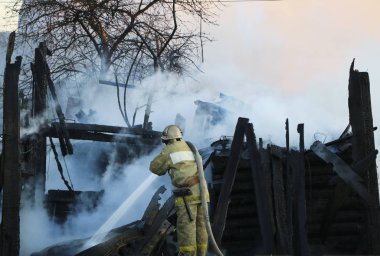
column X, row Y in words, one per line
column 171, row 132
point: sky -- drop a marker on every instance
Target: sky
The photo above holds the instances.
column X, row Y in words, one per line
column 280, row 59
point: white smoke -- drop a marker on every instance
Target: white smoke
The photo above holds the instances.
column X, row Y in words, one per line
column 266, row 108
column 279, row 59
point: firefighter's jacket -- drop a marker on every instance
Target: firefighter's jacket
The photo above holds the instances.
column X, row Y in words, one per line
column 178, row 159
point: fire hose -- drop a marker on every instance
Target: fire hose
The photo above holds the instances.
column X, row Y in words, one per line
column 202, row 187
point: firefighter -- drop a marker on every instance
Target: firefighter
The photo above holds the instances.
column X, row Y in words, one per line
column 178, row 160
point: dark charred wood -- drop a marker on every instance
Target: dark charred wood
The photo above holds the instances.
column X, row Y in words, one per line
column 318, row 170
column 338, row 229
column 297, row 164
column 85, row 135
column 278, row 152
column 363, row 144
column 152, row 208
column 283, row 233
column 243, row 235
column 64, row 137
column 267, row 168
column 238, row 197
column 111, row 129
column 39, row 106
column 10, row 224
column 248, row 222
column 237, row 212
column 344, row 171
column 228, row 180
column 341, row 216
column 244, row 187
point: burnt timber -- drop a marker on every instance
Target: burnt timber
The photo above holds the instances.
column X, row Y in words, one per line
column 10, row 181
column 264, row 200
column 316, row 208
column 34, row 161
column 23, row 160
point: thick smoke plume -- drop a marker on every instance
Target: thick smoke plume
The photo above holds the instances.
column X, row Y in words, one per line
column 280, row 59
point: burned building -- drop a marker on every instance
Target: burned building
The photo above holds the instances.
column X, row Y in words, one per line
column 265, row 199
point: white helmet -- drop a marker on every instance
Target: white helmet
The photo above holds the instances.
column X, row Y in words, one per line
column 171, row 132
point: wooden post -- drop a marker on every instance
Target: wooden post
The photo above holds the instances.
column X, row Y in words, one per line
column 363, row 144
column 228, row 181
column 289, row 187
column 10, row 226
column 264, row 215
column 297, row 162
column 283, row 238
column 39, row 112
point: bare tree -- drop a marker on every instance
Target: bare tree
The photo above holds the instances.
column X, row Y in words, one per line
column 95, row 34
column 139, row 36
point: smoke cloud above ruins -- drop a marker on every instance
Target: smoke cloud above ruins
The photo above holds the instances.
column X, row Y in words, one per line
column 275, row 60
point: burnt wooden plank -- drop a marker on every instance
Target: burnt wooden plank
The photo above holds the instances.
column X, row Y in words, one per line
column 60, row 137
column 59, row 166
column 336, row 201
column 267, row 170
column 152, row 208
column 228, row 180
column 10, row 224
column 10, row 47
column 264, row 215
column 289, row 187
column 277, row 152
column 340, row 196
column 282, row 234
column 343, row 170
column 297, row 163
column 316, row 217
column 113, row 244
column 65, row 143
column 39, row 106
column 157, row 231
column 84, row 135
column 110, row 129
column 360, row 109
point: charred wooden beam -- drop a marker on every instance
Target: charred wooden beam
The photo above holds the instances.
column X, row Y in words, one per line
column 278, row 152
column 283, row 245
column 10, row 47
column 336, row 201
column 158, row 230
column 59, row 166
column 346, row 215
column 360, row 109
column 264, row 215
column 116, row 84
column 61, row 139
column 152, row 208
column 340, row 196
column 10, row 224
column 65, row 143
column 228, row 181
column 343, row 170
column 115, row 240
column 38, row 141
column 267, row 171
column 96, row 128
column 297, row 164
column 97, row 136
column 362, row 165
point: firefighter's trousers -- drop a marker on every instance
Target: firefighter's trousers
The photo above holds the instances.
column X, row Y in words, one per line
column 192, row 236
